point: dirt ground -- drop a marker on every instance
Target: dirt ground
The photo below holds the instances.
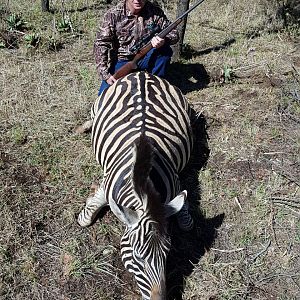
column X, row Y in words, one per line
column 243, row 179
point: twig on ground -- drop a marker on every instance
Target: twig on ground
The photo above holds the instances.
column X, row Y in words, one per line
column 291, row 276
column 250, row 170
column 296, row 283
column 288, row 178
column 19, row 32
column 212, row 27
column 273, row 153
column 202, row 102
column 249, row 66
column 286, row 201
column 272, row 224
column 262, row 251
column 278, row 170
column 63, row 227
column 296, row 71
column 107, row 272
column 238, row 203
column 290, row 116
column 294, row 211
column 228, row 251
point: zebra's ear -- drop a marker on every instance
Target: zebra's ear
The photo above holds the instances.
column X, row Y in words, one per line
column 126, row 215
column 175, row 205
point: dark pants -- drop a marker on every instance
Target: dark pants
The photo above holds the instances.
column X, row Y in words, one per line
column 155, row 62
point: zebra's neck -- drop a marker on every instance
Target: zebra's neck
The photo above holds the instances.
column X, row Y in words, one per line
column 124, row 181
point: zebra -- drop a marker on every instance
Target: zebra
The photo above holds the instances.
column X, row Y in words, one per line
column 142, row 138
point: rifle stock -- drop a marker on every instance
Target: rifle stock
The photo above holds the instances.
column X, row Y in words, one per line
column 125, row 70
column 132, row 65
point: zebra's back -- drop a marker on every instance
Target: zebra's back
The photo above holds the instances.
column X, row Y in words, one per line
column 141, row 103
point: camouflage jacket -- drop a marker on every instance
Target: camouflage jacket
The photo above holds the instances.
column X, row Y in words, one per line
column 120, row 30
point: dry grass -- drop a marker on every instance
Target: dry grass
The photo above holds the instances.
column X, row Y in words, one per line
column 251, row 175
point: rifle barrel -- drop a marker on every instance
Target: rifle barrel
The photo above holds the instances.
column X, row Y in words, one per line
column 174, row 24
column 189, row 10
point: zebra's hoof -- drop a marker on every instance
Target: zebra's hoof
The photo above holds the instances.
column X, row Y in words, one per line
column 85, row 127
column 83, row 222
column 90, row 211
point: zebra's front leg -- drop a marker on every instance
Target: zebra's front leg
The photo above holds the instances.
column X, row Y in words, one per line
column 94, row 203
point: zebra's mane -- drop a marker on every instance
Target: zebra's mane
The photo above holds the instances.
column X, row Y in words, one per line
column 143, row 163
column 144, row 152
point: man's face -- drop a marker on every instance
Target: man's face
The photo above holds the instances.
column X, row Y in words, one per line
column 136, row 6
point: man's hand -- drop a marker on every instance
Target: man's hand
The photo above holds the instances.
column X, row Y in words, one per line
column 157, row 42
column 111, row 80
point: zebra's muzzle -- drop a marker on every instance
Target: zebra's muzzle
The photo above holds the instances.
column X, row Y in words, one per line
column 157, row 294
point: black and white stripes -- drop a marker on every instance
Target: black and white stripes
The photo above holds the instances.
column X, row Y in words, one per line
column 142, row 139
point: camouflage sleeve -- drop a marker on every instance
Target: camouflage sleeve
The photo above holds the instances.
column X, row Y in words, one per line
column 173, row 36
column 103, row 45
column 163, row 22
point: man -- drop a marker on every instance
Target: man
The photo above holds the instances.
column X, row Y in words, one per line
column 122, row 28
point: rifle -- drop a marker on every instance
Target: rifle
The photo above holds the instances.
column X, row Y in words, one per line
column 132, row 65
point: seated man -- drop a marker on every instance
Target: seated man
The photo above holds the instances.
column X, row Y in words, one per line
column 122, row 29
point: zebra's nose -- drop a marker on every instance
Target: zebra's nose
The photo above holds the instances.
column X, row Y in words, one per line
column 156, row 293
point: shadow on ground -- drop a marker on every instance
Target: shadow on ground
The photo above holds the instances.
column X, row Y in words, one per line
column 189, row 52
column 193, row 77
column 188, row 77
column 189, row 247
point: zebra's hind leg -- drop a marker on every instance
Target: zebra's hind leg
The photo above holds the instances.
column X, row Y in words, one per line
column 184, row 218
column 94, row 203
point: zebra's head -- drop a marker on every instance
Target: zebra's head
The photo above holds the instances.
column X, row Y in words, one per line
column 146, row 242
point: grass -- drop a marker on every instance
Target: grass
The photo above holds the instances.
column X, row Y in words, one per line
column 251, row 175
